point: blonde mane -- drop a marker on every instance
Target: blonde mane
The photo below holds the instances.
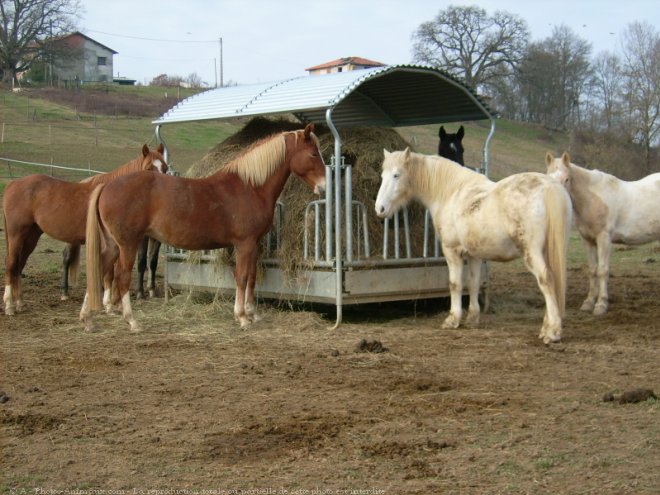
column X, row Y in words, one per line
column 256, row 164
column 439, row 177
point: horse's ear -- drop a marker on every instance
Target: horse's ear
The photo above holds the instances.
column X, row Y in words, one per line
column 460, row 133
column 145, row 150
column 406, row 153
column 566, row 159
column 309, row 128
column 161, row 148
column 386, row 153
column 548, row 158
column 442, row 133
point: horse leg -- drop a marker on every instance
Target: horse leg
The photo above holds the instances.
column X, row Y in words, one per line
column 152, row 255
column 455, row 265
column 604, row 244
column 70, row 257
column 592, row 258
column 245, row 253
column 142, row 267
column 535, row 263
column 12, row 270
column 123, row 270
column 29, row 243
column 474, row 272
column 250, row 307
column 108, row 255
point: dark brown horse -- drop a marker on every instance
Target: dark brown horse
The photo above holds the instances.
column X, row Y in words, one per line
column 451, row 145
column 233, row 207
column 39, row 203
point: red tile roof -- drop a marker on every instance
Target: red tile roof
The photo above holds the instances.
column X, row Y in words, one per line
column 345, row 61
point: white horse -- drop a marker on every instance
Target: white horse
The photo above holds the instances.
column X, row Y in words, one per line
column 607, row 210
column 526, row 215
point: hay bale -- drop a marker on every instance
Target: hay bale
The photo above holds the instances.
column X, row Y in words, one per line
column 362, row 147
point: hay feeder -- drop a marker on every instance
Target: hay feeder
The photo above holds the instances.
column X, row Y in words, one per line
column 340, row 260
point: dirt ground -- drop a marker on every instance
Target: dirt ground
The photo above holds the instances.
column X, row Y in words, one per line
column 195, row 405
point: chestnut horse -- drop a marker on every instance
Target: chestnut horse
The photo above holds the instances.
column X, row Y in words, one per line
column 526, row 215
column 71, row 252
column 233, row 207
column 39, row 203
column 450, row 146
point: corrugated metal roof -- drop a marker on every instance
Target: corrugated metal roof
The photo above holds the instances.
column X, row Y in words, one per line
column 398, row 95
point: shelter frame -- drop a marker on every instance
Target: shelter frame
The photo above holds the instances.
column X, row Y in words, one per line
column 389, row 96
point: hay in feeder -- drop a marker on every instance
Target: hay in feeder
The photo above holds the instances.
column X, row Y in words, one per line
column 362, row 147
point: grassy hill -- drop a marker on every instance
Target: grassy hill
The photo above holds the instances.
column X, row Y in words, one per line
column 101, row 128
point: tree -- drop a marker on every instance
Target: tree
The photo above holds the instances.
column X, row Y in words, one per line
column 606, row 81
column 641, row 66
column 26, row 29
column 468, row 43
column 554, row 76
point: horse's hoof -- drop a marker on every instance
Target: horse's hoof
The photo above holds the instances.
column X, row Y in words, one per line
column 472, row 320
column 152, row 294
column 135, row 328
column 10, row 311
column 587, row 306
column 450, row 323
column 90, row 327
column 64, row 297
column 550, row 339
column 600, row 309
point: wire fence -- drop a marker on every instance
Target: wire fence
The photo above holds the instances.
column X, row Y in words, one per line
column 13, row 169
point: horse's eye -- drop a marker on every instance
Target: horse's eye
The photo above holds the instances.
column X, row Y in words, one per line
column 396, row 175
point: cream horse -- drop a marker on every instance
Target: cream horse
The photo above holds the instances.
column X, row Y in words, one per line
column 526, row 215
column 607, row 210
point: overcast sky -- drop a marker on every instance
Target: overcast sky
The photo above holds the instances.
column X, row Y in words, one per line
column 269, row 40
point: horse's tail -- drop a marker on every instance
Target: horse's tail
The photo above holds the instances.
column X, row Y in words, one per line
column 93, row 241
column 74, row 263
column 558, row 228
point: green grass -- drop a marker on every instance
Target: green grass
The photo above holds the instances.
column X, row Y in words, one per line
column 37, row 129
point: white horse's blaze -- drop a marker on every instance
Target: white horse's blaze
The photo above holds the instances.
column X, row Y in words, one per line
column 526, row 215
column 599, row 202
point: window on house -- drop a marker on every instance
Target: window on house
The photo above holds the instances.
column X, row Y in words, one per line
column 340, row 69
column 101, row 60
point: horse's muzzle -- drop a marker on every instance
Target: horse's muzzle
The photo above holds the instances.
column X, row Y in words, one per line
column 319, row 187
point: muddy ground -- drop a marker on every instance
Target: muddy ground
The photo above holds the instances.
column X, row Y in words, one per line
column 288, row 406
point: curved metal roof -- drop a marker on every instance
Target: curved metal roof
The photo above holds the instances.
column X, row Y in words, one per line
column 397, row 95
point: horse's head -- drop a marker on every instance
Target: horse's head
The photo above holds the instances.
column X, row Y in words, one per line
column 395, row 188
column 451, row 145
column 559, row 168
column 306, row 159
column 154, row 159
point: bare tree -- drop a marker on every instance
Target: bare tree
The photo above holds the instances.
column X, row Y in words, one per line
column 641, row 61
column 606, row 86
column 468, row 43
column 554, row 76
column 26, row 28
column 194, row 80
